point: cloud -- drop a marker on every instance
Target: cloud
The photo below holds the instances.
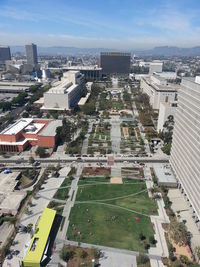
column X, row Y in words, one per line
column 69, row 26
column 52, row 39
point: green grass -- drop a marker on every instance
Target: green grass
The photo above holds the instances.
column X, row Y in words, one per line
column 61, row 194
column 90, row 180
column 111, row 225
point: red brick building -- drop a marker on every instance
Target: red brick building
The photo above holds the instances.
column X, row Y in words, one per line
column 29, row 132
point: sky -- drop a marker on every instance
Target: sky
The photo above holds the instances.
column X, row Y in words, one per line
column 118, row 24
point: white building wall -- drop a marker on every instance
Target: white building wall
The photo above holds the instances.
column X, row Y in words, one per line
column 156, row 95
column 155, row 67
column 165, row 111
column 56, row 101
column 185, row 154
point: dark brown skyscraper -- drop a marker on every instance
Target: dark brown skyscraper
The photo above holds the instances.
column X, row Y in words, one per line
column 115, row 62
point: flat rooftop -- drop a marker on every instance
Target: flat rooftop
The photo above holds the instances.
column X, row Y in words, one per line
column 11, row 202
column 50, row 129
column 18, row 126
column 12, row 88
column 172, row 87
column 8, row 181
column 83, row 100
column 21, row 84
column 34, row 128
column 156, row 63
column 80, row 67
column 164, row 174
column 40, row 238
column 62, row 87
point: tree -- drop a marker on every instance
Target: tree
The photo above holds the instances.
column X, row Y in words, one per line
column 167, row 148
column 5, row 105
column 40, row 151
column 178, row 232
column 142, row 259
column 29, row 227
column 142, row 236
column 89, row 108
column 31, row 160
column 25, row 115
column 197, row 250
column 84, row 254
column 66, row 254
column 184, row 259
column 152, row 240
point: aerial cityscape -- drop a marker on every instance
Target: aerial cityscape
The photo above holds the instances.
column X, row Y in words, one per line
column 99, row 133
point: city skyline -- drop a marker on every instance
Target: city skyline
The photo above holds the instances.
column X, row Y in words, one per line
column 133, row 25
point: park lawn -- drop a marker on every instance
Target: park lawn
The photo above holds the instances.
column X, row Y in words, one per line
column 62, row 193
column 109, row 225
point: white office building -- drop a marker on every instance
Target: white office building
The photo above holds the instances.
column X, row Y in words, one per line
column 165, row 110
column 185, row 154
column 65, row 94
column 155, row 67
column 159, row 90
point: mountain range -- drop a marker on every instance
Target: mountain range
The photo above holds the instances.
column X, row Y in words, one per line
column 157, row 51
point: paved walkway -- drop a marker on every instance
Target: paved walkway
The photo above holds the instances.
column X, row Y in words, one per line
column 110, row 249
column 180, row 204
column 84, row 149
column 115, row 134
column 115, row 171
column 161, row 248
column 113, row 259
column 36, row 210
column 66, row 213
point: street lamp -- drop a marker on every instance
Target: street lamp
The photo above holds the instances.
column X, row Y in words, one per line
column 93, row 262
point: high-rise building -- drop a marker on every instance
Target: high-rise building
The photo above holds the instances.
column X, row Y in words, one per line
column 185, row 154
column 115, row 62
column 4, row 53
column 31, row 54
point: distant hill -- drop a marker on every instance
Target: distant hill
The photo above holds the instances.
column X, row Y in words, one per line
column 171, row 51
column 157, row 51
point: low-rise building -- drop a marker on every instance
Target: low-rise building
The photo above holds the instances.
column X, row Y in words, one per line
column 39, row 250
column 155, row 67
column 165, row 175
column 29, row 132
column 92, row 72
column 65, row 94
column 10, row 198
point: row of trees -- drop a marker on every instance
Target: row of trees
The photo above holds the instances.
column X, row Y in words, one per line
column 18, row 100
column 166, row 134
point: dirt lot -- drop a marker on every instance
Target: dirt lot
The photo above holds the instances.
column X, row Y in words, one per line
column 125, row 132
column 81, row 257
column 116, row 180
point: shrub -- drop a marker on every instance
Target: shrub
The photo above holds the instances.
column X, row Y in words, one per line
column 66, row 254
column 142, row 236
column 184, row 259
column 152, row 240
column 84, row 254
column 142, row 259
column 147, row 246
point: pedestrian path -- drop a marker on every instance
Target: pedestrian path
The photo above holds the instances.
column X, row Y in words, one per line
column 116, row 171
